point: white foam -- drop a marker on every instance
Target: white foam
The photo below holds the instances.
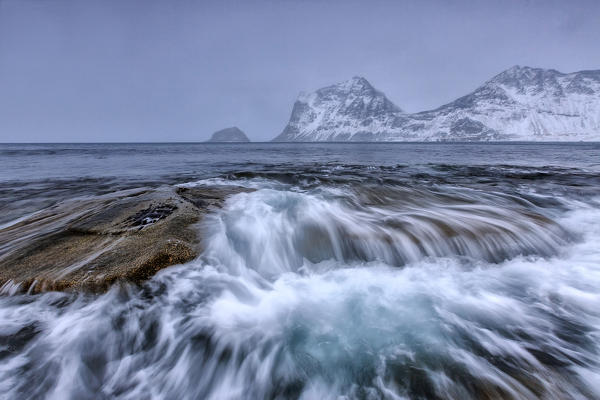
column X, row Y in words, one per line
column 254, row 316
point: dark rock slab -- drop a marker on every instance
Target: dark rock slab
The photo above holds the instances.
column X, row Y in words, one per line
column 91, row 243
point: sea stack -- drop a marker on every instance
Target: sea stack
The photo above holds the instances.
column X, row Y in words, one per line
column 233, row 134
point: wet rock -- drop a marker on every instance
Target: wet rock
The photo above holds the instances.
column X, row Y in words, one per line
column 150, row 215
column 91, row 243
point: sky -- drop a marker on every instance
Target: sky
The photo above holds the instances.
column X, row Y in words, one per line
column 175, row 70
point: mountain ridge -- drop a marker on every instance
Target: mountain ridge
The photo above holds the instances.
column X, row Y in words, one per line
column 520, row 103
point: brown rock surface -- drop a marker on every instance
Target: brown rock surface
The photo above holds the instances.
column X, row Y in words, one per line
column 90, row 243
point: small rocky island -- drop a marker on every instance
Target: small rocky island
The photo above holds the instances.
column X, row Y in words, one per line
column 227, row 135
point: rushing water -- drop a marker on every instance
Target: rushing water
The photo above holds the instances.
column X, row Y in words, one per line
column 365, row 271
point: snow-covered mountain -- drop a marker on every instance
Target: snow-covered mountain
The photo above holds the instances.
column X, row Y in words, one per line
column 351, row 110
column 521, row 103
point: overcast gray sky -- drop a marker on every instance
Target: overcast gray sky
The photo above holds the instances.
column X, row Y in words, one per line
column 125, row 70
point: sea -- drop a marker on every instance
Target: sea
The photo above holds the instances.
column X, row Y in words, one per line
column 350, row 271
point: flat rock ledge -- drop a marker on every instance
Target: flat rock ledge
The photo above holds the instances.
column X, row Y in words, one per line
column 88, row 244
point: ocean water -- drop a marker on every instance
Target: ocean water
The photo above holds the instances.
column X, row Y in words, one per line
column 353, row 271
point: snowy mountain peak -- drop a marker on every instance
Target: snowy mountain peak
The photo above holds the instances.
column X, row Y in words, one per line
column 350, row 110
column 537, row 79
column 521, row 103
column 525, row 73
column 352, row 88
column 355, row 84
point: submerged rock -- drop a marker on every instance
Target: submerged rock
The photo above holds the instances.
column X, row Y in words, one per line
column 233, row 134
column 92, row 243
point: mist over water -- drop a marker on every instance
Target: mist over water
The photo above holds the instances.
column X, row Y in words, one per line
column 451, row 277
